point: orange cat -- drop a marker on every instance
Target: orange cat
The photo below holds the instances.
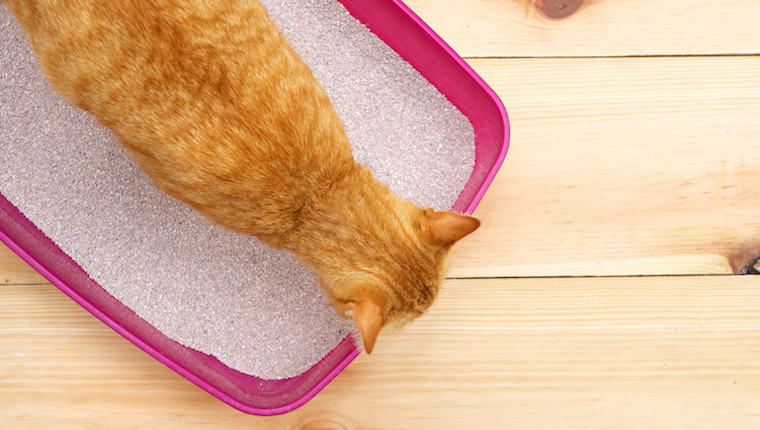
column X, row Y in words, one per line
column 216, row 107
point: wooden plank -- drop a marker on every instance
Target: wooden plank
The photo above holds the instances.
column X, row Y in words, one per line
column 516, row 28
column 616, row 167
column 661, row 352
column 632, row 166
column 13, row 270
column 638, row 166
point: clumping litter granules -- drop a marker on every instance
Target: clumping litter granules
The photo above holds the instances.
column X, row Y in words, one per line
column 222, row 293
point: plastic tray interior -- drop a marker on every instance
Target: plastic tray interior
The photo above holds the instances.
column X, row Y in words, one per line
column 404, row 32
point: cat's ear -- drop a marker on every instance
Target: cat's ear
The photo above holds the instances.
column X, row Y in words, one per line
column 445, row 228
column 368, row 315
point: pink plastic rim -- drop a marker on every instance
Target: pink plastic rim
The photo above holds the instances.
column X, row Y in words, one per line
column 409, row 36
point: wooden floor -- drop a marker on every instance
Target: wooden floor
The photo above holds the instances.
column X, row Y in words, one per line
column 604, row 290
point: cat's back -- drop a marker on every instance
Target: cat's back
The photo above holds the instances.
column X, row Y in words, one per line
column 118, row 57
column 207, row 96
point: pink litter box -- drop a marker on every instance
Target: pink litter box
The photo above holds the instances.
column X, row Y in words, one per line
column 415, row 42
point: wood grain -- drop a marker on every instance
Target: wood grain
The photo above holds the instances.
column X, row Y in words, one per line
column 618, row 168
column 636, row 166
column 515, row 28
column 13, row 270
column 661, row 352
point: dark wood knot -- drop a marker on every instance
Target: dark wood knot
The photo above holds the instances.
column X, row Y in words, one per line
column 745, row 258
column 753, row 268
column 558, row 9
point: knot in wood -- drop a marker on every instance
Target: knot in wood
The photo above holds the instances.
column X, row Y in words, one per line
column 324, row 421
column 558, row 9
column 753, row 268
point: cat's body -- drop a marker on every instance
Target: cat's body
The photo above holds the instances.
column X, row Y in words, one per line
column 216, row 107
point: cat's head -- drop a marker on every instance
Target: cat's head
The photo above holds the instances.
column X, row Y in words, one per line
column 400, row 280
